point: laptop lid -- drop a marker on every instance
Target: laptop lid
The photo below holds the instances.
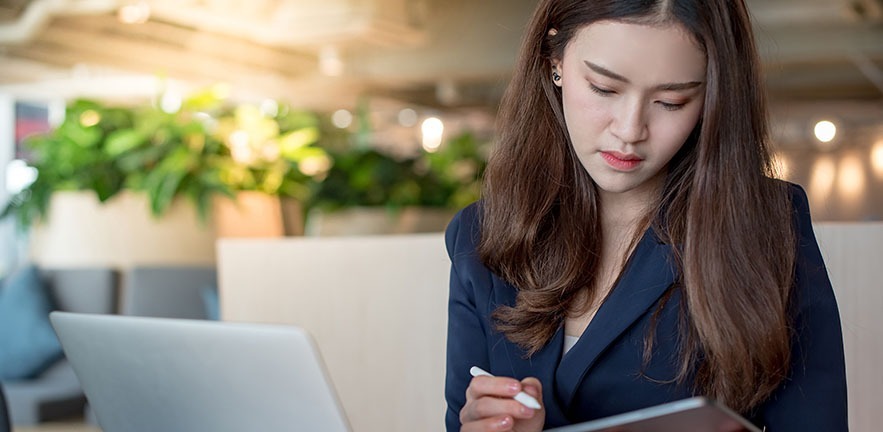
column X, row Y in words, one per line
column 158, row 374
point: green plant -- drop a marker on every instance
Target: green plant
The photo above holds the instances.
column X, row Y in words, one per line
column 203, row 150
column 456, row 170
column 362, row 176
column 73, row 157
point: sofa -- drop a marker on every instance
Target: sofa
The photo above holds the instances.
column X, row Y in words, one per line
column 55, row 392
column 186, row 292
column 157, row 291
column 4, row 413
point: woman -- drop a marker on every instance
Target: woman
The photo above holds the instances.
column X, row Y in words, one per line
column 631, row 248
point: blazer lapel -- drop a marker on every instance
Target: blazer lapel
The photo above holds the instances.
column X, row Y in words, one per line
column 649, row 272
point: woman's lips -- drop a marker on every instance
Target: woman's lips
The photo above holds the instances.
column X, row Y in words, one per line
column 621, row 161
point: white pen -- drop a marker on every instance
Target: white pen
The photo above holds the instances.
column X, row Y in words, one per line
column 525, row 399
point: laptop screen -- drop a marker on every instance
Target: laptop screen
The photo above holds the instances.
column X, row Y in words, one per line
column 158, row 374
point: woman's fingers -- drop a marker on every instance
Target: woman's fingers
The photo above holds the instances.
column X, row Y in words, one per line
column 533, row 387
column 489, row 406
column 502, row 423
column 492, row 386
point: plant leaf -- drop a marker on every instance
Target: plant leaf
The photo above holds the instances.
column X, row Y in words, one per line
column 123, row 141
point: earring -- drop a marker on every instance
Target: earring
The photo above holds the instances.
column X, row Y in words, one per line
column 556, row 76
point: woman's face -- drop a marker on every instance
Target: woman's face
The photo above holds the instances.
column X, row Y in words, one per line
column 631, row 94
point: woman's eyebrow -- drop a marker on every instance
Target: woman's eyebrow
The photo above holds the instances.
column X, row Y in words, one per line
column 664, row 87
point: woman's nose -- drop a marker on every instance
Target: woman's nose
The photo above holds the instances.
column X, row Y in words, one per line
column 630, row 123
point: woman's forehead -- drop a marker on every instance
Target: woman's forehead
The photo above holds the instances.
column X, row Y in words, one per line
column 665, row 53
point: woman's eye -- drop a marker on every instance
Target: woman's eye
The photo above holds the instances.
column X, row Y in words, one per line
column 600, row 91
column 670, row 106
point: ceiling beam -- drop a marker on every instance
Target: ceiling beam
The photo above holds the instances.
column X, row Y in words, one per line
column 40, row 12
column 149, row 57
column 812, row 43
column 174, row 37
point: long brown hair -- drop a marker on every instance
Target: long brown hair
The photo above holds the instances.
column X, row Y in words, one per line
column 731, row 223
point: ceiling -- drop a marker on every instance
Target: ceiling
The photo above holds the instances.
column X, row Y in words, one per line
column 442, row 54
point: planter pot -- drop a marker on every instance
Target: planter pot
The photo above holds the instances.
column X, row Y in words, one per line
column 373, row 221
column 256, row 214
column 81, row 231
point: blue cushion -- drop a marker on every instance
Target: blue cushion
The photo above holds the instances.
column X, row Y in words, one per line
column 211, row 302
column 28, row 344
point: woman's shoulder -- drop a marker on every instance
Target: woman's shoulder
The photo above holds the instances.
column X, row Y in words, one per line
column 800, row 210
column 796, row 196
column 799, row 201
column 462, row 237
column 463, row 232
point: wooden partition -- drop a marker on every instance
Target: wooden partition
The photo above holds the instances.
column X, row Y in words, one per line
column 854, row 256
column 377, row 307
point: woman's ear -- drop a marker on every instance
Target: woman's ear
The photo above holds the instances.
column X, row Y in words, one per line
column 556, row 72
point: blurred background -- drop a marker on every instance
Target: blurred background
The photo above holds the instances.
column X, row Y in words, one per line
column 135, row 134
column 278, row 117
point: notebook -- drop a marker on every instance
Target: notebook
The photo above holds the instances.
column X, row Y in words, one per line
column 159, row 374
column 696, row 414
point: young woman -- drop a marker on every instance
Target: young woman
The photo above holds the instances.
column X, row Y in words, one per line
column 631, row 247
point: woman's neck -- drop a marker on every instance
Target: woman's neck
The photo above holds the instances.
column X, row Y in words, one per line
column 622, row 212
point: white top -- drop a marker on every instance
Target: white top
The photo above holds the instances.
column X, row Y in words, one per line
column 569, row 342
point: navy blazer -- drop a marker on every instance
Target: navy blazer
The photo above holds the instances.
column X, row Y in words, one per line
column 603, row 373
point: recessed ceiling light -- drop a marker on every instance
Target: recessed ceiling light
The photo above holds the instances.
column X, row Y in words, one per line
column 825, row 131
column 134, row 13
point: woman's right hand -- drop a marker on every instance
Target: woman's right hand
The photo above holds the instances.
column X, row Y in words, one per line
column 490, row 407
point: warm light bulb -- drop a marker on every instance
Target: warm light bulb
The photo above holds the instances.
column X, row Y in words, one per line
column 825, row 131
column 433, row 129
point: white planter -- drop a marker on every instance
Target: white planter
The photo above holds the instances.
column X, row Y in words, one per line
column 81, row 231
column 374, row 221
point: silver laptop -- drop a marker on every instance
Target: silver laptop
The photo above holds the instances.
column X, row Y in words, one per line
column 159, row 374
